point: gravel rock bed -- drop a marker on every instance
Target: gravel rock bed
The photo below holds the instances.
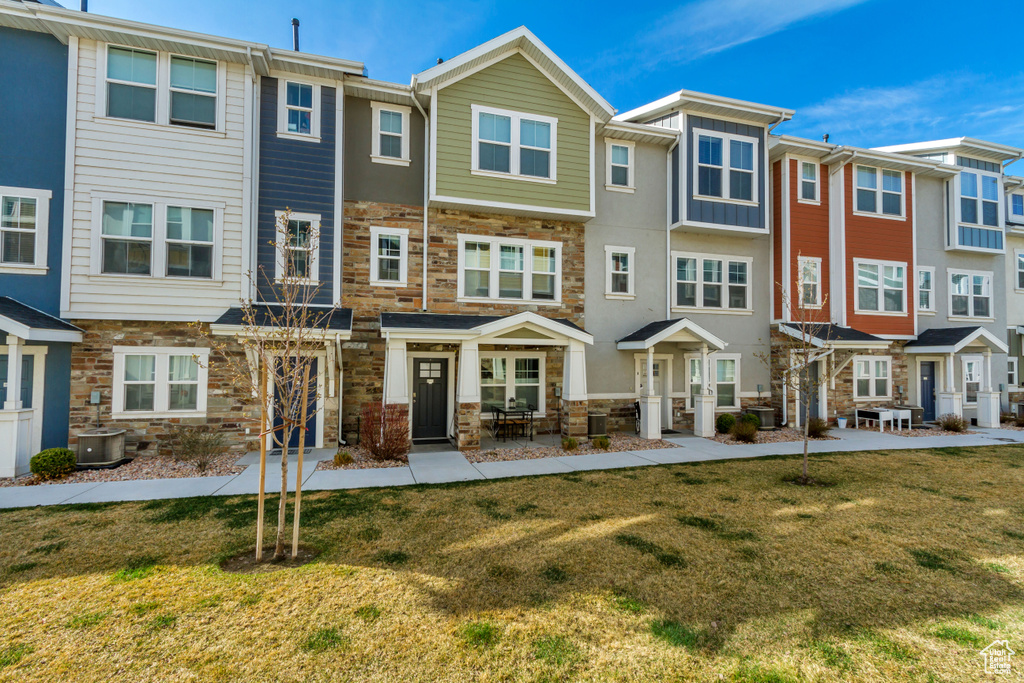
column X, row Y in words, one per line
column 144, row 467
column 620, row 442
column 910, row 433
column 783, row 435
column 361, row 460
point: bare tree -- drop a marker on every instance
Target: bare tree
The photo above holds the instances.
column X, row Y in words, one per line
column 280, row 333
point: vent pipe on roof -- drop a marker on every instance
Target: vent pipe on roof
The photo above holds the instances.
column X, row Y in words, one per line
column 825, row 138
column 440, row 60
column 295, row 34
column 85, row 5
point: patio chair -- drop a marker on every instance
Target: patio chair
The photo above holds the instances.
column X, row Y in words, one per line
column 497, row 427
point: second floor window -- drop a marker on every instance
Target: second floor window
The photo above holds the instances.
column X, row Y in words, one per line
column 810, row 282
column 619, row 271
column 390, row 143
column 712, row 282
column 881, row 287
column 189, row 242
column 389, row 256
column 970, row 294
column 513, row 143
column 193, row 92
column 725, row 167
column 298, row 110
column 879, row 191
column 494, row 268
column 127, row 237
column 135, row 78
column 926, row 289
column 808, row 181
column 620, row 165
column 157, row 240
column 131, row 84
column 1017, row 205
column 979, row 199
column 18, row 225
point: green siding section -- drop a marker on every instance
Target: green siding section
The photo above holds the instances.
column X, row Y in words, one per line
column 516, row 85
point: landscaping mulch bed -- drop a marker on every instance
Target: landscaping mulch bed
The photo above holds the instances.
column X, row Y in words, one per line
column 245, row 563
column 782, row 435
column 144, row 467
column 620, row 442
column 361, row 460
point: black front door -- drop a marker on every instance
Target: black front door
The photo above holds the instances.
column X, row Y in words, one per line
column 814, row 405
column 293, row 442
column 928, row 389
column 429, row 398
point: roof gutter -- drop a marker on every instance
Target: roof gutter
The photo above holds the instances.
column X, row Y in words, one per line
column 426, row 180
column 781, row 119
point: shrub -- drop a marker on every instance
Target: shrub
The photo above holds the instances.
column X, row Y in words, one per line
column 570, row 444
column 752, row 418
column 53, row 463
column 1019, row 420
column 817, row 427
column 602, row 442
column 385, row 432
column 199, row 446
column 342, row 458
column 952, row 423
column 725, row 423
column 745, row 431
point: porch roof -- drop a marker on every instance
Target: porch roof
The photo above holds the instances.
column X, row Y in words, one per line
column 330, row 320
column 31, row 324
column 954, row 340
column 459, row 326
column 680, row 329
column 836, row 336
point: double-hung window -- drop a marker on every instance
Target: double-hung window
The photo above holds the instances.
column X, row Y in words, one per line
column 979, row 199
column 509, row 380
column 725, row 166
column 926, row 288
column 1011, row 371
column 972, row 367
column 127, row 238
column 189, row 242
column 712, row 282
column 1019, row 254
column 24, row 215
column 508, row 268
column 620, row 165
column 298, row 247
column 879, row 191
column 970, row 294
column 514, row 144
column 193, row 92
column 131, row 84
column 619, row 272
column 390, row 144
column 389, row 256
column 881, row 286
column 725, row 378
column 298, row 110
column 808, row 181
column 810, row 281
column 1017, row 206
column 872, row 377
column 159, row 381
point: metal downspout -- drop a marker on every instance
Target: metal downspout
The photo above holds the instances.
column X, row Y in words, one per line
column 426, row 180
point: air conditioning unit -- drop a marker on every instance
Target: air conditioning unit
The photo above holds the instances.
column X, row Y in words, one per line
column 100, row 446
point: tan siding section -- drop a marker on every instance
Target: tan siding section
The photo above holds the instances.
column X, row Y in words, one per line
column 513, row 84
column 167, row 162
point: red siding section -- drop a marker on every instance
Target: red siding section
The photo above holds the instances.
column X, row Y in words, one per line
column 777, row 228
column 885, row 240
column 808, row 230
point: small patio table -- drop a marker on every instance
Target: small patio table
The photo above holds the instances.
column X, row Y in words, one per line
column 879, row 415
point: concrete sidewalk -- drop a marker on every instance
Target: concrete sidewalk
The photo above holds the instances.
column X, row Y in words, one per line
column 452, row 466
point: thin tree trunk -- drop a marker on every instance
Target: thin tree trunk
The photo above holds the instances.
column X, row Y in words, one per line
column 298, row 470
column 283, row 504
column 263, row 463
column 807, row 431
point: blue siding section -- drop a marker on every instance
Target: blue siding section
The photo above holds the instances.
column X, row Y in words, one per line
column 56, row 396
column 724, row 213
column 33, row 111
column 296, row 175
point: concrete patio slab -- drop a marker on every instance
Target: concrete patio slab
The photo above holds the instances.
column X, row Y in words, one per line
column 323, row 480
column 668, row 456
column 249, row 480
column 437, row 468
column 603, row 461
column 151, row 489
column 522, row 468
column 317, row 454
column 44, row 494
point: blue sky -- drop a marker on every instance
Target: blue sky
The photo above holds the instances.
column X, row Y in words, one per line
column 868, row 72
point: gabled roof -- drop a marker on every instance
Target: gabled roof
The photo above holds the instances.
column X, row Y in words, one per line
column 969, row 146
column 478, row 325
column 31, row 324
column 954, row 340
column 712, row 105
column 829, row 335
column 669, row 330
column 521, row 40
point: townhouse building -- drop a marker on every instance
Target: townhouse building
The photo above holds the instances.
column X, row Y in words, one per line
column 1014, row 187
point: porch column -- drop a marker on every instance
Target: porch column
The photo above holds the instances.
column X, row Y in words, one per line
column 950, row 402
column 704, row 403
column 396, row 385
column 650, row 405
column 14, row 356
column 988, row 400
column 467, row 398
column 574, row 391
column 15, row 421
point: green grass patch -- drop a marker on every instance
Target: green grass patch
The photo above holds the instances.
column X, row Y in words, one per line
column 1015, row 535
column 251, row 599
column 677, row 635
column 87, row 620
column 959, row 635
column 755, row 673
column 324, row 639
column 556, row 650
column 479, row 634
column 49, row 548
column 688, row 480
column 984, row 621
column 891, row 649
column 395, row 557
column 136, row 568
column 996, row 567
column 210, row 602
column 22, row 567
column 162, row 621
column 627, row 604
column 12, row 654
column 368, row 613
column 141, row 609
column 832, row 654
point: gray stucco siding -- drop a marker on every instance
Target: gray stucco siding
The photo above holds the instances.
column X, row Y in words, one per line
column 725, row 213
column 368, row 181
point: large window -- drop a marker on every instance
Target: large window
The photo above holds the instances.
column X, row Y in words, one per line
column 189, row 242
column 926, row 288
column 810, row 281
column 24, row 217
column 512, row 381
column 298, row 110
column 127, row 238
column 809, row 181
column 1017, row 205
column 131, row 84
column 881, row 286
column 511, row 269
column 973, row 368
column 159, row 381
column 619, row 268
column 872, row 377
column 193, row 92
column 712, row 282
column 970, row 294
column 514, row 144
column 879, row 191
column 389, row 256
column 390, row 144
column 725, row 166
column 298, row 247
column 620, row 165
column 725, row 378
column 979, row 199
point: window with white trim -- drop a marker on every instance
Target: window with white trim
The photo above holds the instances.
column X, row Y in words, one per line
column 1017, row 205
column 509, row 269
column 390, row 143
column 298, row 247
column 926, row 288
column 619, row 267
column 298, row 110
column 189, row 242
column 879, row 191
column 24, row 225
column 389, row 256
column 725, row 166
column 512, row 381
column 979, row 199
column 970, row 294
column 972, row 371
column 809, row 181
column 881, row 286
column 127, row 238
column 810, row 281
column 1020, row 268
column 620, row 164
column 725, row 378
column 131, row 83
column 712, row 282
column 872, row 377
column 514, row 144
column 1011, row 372
column 193, row 92
column 160, row 381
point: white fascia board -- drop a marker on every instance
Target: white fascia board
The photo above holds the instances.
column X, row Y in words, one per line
column 519, row 319
column 683, row 97
column 23, row 331
column 681, row 325
column 241, row 331
column 965, row 144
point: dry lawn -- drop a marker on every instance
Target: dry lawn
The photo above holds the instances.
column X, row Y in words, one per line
column 902, row 571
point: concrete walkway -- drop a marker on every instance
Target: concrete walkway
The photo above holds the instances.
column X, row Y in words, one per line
column 452, row 466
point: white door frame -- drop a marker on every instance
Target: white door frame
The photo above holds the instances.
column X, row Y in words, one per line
column 640, row 365
column 940, row 379
column 450, row 357
column 38, row 354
